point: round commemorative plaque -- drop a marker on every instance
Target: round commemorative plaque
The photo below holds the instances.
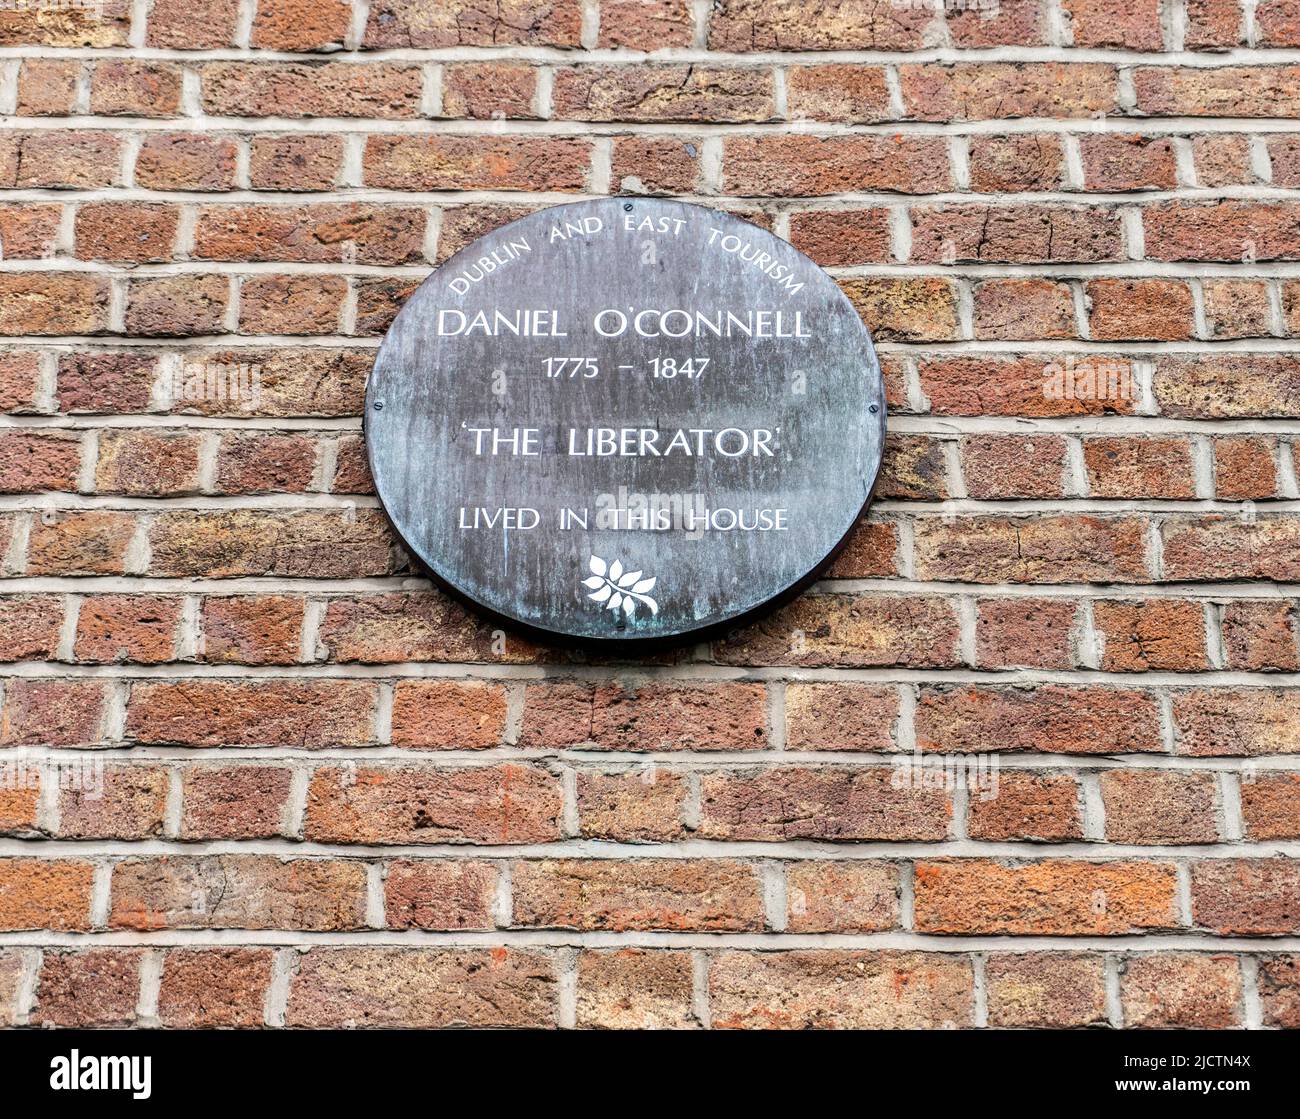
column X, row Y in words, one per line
column 625, row 420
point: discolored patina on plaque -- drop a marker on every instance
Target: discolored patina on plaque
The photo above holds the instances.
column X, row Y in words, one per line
column 626, row 419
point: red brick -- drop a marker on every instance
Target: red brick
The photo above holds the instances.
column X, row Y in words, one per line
column 291, row 304
column 1041, row 385
column 1245, row 467
column 53, row 303
column 1156, row 806
column 1260, row 636
column 1016, row 308
column 294, row 162
column 827, row 989
column 472, row 23
column 20, row 383
column 28, row 232
column 644, row 805
column 489, row 91
column 1284, row 158
column 1219, row 547
column 29, row 627
column 53, row 712
column 384, row 91
column 1164, row 990
column 32, row 461
column 387, row 804
column 663, row 93
column 62, row 160
column 284, row 381
column 1051, row 897
column 842, row 237
column 1269, row 804
column 1120, row 310
column 360, row 233
column 1050, row 719
column 80, row 542
column 646, row 24
column 1279, row 990
column 1246, row 897
column 1048, row 549
column 234, row 801
column 840, row 717
column 13, row 965
column 1222, row 386
column 127, row 628
column 1237, row 308
column 125, row 87
column 45, row 894
column 1228, row 91
column 1007, row 23
column 906, row 308
column 266, row 462
column 848, row 897
column 763, row 25
column 691, row 895
column 1121, row 161
column 633, row 988
column 301, row 25
column 822, row 803
column 1021, row 161
column 791, row 165
column 1252, row 722
column 238, row 892
column 1213, row 23
column 302, row 714
column 841, row 93
column 1014, row 234
column 378, row 301
column 1057, row 990
column 312, row 544
column 1233, row 231
column 48, row 87
column 148, row 462
column 444, row 162
column 1158, row 634
column 185, row 25
column 855, row 631
column 655, row 165
column 1222, row 160
column 126, row 232
column 214, row 988
column 448, row 715
column 1115, row 23
column 96, row 987
column 871, row 550
column 118, row 381
column 1149, row 466
column 252, row 629
column 1019, row 632
column 422, row 987
column 126, row 802
column 440, row 894
column 177, row 306
column 1004, row 466
column 1277, row 24
column 186, row 161
column 1043, row 807
column 1003, row 90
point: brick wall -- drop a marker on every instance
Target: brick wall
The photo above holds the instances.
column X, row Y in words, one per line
column 331, row 796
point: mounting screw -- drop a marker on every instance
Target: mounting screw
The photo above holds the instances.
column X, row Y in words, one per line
column 627, row 205
column 379, row 406
column 870, row 408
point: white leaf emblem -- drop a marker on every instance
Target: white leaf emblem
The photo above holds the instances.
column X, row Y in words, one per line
column 619, row 589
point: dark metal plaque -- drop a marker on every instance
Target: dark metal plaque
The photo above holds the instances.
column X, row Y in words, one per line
column 625, row 419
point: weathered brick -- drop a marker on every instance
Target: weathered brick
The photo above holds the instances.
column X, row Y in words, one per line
column 440, row 894
column 48, row 87
column 1014, row 234
column 214, row 988
column 839, row 92
column 62, row 160
column 96, row 987
column 1115, row 23
column 53, row 303
column 663, row 93
column 794, row 165
column 1223, row 386
column 1003, row 90
column 1242, row 723
column 1059, row 897
column 632, row 988
column 1245, row 467
column 1006, row 466
column 840, row 717
column 841, row 897
column 1021, row 161
column 234, row 801
column 448, row 714
column 1224, row 91
column 1221, row 547
column 1155, row 806
column 301, row 25
column 29, row 627
column 386, row 91
column 125, row 802
column 1056, row 990
column 646, row 24
column 53, row 712
column 1029, row 385
column 1164, row 990
column 291, row 304
column 186, row 161
column 1041, row 807
column 1222, row 160
column 762, row 25
column 1213, row 23
column 1238, row 231
column 1157, row 634
column 422, row 987
column 842, row 237
column 1123, row 161
column 238, row 892
column 297, row 161
column 185, row 25
column 906, row 309
column 360, row 233
column 871, row 550
column 1237, row 308
column 1260, row 636
column 1120, row 310
column 252, row 629
column 431, row 24
column 29, row 231
column 1020, row 632
column 118, row 381
column 1015, row 308
column 823, row 803
column 1246, row 897
column 825, row 989
column 127, row 628
column 20, row 383
column 177, row 306
column 1050, row 718
column 388, row 804
column 45, row 894
column 489, row 90
column 126, row 87
column 431, row 162
column 303, row 714
column 716, row 895
column 31, row 461
column 644, row 805
column 655, row 165
column 126, row 232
